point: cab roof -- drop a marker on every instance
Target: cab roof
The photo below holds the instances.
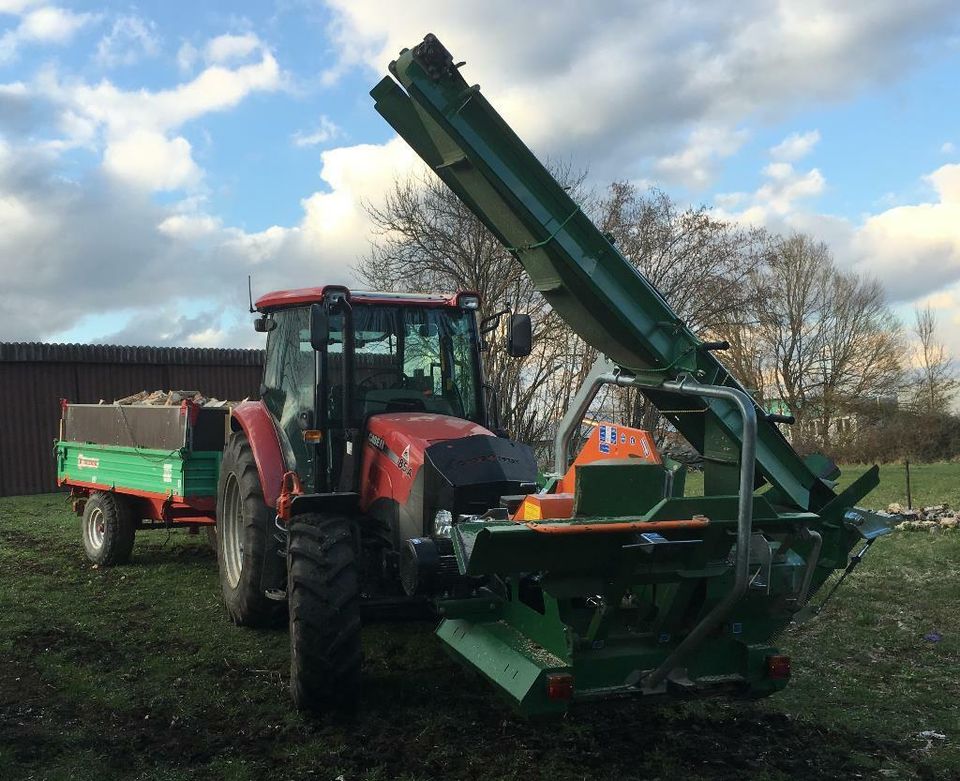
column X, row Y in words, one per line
column 310, row 295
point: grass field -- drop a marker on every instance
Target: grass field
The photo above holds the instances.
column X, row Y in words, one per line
column 930, row 484
column 133, row 673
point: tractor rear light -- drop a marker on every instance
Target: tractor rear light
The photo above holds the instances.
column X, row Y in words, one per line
column 312, row 436
column 778, row 668
column 560, row 686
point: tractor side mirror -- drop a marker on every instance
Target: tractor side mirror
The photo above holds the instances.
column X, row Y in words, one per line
column 319, row 327
column 264, row 324
column 521, row 336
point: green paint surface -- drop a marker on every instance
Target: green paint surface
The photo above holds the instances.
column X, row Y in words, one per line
column 178, row 473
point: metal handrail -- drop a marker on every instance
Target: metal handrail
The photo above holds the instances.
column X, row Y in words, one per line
column 748, row 447
column 604, row 372
column 601, row 373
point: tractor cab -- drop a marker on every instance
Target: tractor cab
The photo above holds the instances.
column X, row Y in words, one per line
column 337, row 358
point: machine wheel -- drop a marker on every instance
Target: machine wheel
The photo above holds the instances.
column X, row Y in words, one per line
column 323, row 593
column 108, row 529
column 244, row 523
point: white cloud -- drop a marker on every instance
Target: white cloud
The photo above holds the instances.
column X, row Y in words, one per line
column 915, row 249
column 135, row 267
column 619, row 89
column 354, row 175
column 214, row 89
column 795, row 146
column 187, row 56
column 51, row 25
column 191, row 227
column 46, row 25
column 138, row 127
column 636, row 89
column 16, row 7
column 130, row 39
column 695, row 164
column 326, row 130
column 225, row 49
column 775, row 199
column 148, row 160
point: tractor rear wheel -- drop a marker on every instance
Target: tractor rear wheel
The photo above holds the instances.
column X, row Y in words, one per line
column 323, row 593
column 244, row 526
column 108, row 529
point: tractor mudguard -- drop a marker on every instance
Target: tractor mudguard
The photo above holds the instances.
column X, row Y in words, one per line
column 254, row 419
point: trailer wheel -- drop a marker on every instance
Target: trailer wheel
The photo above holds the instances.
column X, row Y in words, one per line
column 323, row 593
column 108, row 529
column 244, row 524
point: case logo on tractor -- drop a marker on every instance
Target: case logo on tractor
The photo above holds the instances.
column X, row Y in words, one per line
column 85, row 462
column 401, row 462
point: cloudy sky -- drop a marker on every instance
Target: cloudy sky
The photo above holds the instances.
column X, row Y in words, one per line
column 153, row 155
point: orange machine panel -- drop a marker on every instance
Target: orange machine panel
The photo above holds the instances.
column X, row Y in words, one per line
column 609, row 440
column 535, row 507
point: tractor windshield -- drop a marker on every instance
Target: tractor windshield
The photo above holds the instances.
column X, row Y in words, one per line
column 409, row 359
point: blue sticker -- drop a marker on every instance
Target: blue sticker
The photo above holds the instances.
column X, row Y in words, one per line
column 737, row 629
column 604, row 448
column 623, row 439
column 664, row 637
column 633, row 440
column 603, row 433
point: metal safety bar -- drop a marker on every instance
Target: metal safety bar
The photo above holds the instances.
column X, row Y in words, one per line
column 604, row 372
column 685, row 386
column 601, row 373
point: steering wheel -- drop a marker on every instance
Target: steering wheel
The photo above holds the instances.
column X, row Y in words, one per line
column 401, row 379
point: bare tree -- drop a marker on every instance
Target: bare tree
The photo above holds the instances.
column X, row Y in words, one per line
column 824, row 340
column 934, row 380
column 705, row 268
column 428, row 240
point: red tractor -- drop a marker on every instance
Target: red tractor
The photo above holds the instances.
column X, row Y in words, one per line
column 340, row 486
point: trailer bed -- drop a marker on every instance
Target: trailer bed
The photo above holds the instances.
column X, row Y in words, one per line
column 164, row 459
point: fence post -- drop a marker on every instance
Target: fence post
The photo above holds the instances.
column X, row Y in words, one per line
column 906, row 464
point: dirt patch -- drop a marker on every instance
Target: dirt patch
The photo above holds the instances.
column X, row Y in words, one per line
column 72, row 644
column 424, row 736
column 18, row 540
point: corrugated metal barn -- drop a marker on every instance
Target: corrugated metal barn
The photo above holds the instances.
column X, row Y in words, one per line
column 34, row 377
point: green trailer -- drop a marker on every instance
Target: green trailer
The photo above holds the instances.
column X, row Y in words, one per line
column 131, row 467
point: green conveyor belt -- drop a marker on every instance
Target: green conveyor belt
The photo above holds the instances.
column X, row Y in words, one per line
column 580, row 272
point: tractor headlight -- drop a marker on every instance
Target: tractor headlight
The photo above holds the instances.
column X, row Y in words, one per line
column 442, row 523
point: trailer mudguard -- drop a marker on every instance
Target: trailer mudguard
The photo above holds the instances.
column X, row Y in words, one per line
column 255, row 420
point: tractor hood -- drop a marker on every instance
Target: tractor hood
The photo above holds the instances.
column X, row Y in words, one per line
column 416, row 464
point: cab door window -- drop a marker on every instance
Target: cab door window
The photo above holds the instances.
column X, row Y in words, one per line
column 290, row 385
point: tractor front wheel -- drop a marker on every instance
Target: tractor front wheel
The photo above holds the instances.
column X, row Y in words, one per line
column 108, row 529
column 323, row 593
column 244, row 525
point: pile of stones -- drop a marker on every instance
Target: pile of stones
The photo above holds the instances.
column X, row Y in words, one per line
column 936, row 518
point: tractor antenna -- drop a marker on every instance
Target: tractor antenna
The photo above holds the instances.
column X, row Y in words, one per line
column 250, row 292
